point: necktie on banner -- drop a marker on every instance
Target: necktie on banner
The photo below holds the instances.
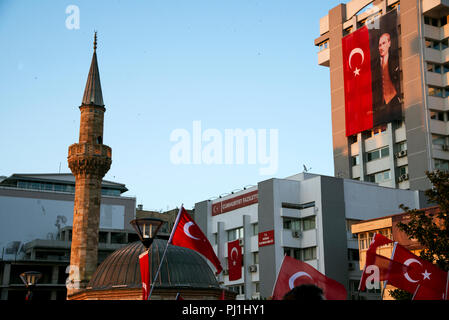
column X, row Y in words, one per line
column 234, row 260
column 423, row 278
column 144, row 263
column 295, row 272
column 187, row 234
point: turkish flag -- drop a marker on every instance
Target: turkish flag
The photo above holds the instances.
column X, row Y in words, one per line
column 380, row 268
column 378, row 241
column 234, row 260
column 144, row 263
column 294, row 272
column 187, row 234
column 357, row 81
column 423, row 279
column 374, row 259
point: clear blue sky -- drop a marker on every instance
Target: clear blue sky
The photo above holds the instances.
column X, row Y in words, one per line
column 164, row 64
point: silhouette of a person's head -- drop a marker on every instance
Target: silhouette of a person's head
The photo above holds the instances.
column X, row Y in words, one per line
column 305, row 292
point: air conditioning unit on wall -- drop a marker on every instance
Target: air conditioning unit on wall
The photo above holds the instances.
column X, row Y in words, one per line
column 252, row 268
column 296, row 234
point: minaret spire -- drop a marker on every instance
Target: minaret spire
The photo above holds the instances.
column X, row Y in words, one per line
column 95, row 41
column 92, row 92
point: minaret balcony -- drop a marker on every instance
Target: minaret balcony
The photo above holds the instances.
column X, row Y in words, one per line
column 88, row 149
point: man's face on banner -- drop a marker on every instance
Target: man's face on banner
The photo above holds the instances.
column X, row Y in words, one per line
column 384, row 44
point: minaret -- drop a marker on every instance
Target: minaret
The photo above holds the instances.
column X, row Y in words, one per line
column 89, row 160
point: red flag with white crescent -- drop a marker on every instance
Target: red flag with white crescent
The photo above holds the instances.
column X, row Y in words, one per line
column 357, row 81
column 144, row 263
column 187, row 234
column 422, row 278
column 372, row 258
column 294, row 272
column 234, row 260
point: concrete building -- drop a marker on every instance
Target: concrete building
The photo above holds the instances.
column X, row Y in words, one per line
column 394, row 154
column 306, row 216
column 36, row 214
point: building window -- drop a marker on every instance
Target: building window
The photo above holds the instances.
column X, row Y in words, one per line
column 365, row 238
column 403, row 170
column 353, row 255
column 292, row 224
column 309, row 253
column 303, row 254
column 363, row 241
column 255, row 229
column 379, row 177
column 355, row 160
column 377, row 154
column 323, row 45
column 235, row 234
column 435, row 22
column 437, row 115
column 401, row 146
column 308, row 223
column 436, row 92
column 438, row 140
column 442, row 165
column 255, row 257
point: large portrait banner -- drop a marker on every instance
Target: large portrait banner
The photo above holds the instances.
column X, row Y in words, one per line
column 372, row 75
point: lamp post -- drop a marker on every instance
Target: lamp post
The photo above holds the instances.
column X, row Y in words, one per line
column 146, row 229
column 30, row 278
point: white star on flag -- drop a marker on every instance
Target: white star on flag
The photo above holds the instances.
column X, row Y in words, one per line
column 426, row 275
column 357, row 72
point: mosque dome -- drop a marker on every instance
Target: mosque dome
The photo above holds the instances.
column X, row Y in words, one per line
column 183, row 271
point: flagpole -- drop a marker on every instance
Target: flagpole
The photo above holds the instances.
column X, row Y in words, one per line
column 447, row 282
column 386, row 281
column 277, row 275
column 416, row 291
column 165, row 252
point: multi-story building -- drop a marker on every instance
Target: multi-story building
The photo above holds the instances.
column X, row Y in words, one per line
column 305, row 216
column 396, row 152
column 36, row 214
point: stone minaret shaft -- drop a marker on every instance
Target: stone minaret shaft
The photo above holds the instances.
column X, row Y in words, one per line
column 89, row 160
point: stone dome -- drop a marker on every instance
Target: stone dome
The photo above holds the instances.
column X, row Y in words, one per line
column 182, row 268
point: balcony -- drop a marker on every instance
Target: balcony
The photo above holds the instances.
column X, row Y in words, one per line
column 88, row 149
column 324, row 57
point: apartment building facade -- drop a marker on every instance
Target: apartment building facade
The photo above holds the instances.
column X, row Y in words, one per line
column 396, row 152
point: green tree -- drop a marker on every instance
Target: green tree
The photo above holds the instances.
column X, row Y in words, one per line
column 431, row 230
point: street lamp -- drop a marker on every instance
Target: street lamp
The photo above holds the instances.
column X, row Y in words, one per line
column 146, row 229
column 30, row 278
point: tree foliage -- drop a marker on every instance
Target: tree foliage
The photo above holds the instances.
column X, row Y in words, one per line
column 431, row 230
